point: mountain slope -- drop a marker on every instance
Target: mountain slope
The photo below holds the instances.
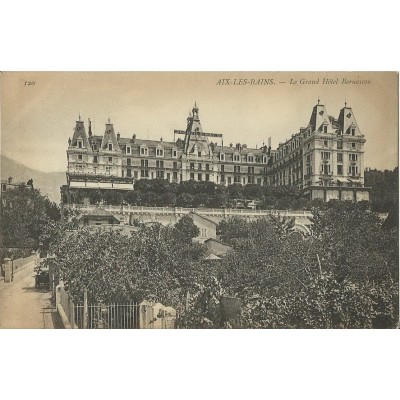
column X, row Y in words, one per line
column 47, row 182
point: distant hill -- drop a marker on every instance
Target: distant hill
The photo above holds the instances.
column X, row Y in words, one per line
column 47, row 182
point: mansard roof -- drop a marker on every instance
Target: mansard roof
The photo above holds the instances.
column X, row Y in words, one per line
column 80, row 133
column 109, row 136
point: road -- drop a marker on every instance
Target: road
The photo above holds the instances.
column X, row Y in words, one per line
column 24, row 306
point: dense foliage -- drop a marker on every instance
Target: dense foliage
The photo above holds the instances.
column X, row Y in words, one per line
column 25, row 214
column 385, row 188
column 344, row 275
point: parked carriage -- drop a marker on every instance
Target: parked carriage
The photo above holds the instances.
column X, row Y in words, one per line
column 42, row 278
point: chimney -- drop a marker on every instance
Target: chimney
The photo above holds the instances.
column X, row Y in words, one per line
column 269, row 142
column 90, row 127
column 118, row 136
column 133, row 138
column 10, row 179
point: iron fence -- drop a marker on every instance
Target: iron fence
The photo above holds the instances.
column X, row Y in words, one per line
column 108, row 316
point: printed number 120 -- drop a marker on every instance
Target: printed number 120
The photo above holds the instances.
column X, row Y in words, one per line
column 29, row 83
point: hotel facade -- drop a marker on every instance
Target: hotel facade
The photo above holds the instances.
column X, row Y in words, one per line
column 324, row 160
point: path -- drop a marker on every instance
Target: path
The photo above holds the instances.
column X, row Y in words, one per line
column 24, row 306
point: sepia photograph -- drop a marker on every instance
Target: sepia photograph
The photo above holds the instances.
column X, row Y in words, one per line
column 199, row 200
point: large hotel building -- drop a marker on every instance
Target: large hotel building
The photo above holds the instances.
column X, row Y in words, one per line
column 325, row 159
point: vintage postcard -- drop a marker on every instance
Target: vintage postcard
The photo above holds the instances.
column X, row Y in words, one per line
column 181, row 200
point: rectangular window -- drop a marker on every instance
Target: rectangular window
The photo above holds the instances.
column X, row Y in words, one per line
column 144, row 163
column 229, row 180
column 80, row 157
column 174, row 153
column 236, row 157
column 325, row 143
column 236, row 179
column 339, row 157
column 128, row 150
column 199, row 177
column 199, row 166
column 129, row 172
column 326, row 169
column 199, row 154
column 236, row 169
column 207, row 177
column 191, row 165
column 109, row 146
column 144, row 173
column 340, row 169
column 222, row 168
column 160, row 174
column 159, row 164
column 325, row 129
column 80, row 144
column 175, row 176
column 353, row 157
column 222, row 178
column 353, row 131
column 250, row 158
column 108, row 170
column 251, row 170
column 110, row 159
column 326, row 155
column 128, row 161
column 143, row 151
column 353, row 171
column 175, row 165
column 207, row 167
column 95, row 159
column 340, row 144
column 159, row 152
column 192, row 176
column 222, row 157
column 203, row 232
column 353, row 145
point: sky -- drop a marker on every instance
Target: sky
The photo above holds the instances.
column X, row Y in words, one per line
column 37, row 119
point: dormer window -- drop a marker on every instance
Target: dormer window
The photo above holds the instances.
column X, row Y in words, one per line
column 80, row 157
column 250, row 158
column 264, row 159
column 110, row 146
column 325, row 129
column 222, row 157
column 353, row 131
column 80, row 144
column 236, row 157
column 128, row 150
column 174, row 153
column 159, row 152
column 144, row 151
column 199, row 153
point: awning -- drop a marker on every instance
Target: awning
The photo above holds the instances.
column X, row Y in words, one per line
column 212, row 257
column 342, row 180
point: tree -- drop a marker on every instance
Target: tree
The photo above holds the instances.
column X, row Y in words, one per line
column 186, row 230
column 25, row 213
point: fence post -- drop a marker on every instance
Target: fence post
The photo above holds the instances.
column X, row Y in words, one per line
column 71, row 312
column 7, row 270
column 85, row 309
